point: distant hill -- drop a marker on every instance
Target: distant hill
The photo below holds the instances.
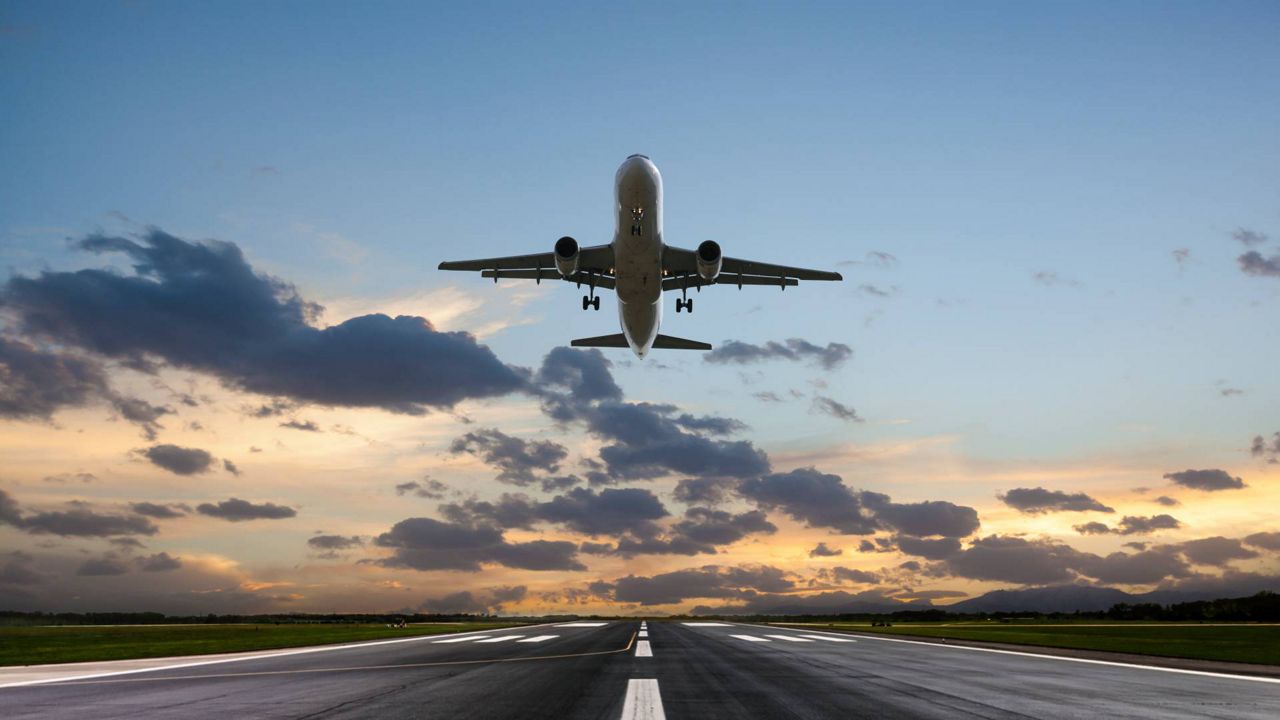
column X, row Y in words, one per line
column 1058, row 598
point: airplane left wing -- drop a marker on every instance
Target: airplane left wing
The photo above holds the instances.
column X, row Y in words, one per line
column 595, row 264
column 681, row 267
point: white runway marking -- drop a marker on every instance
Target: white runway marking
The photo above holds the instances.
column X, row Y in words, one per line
column 539, row 638
column 643, row 649
column 1087, row 661
column 583, row 624
column 252, row 655
column 828, row 639
column 706, row 624
column 788, row 638
column 460, row 639
column 750, row 638
column 644, row 633
column 500, row 638
column 643, row 701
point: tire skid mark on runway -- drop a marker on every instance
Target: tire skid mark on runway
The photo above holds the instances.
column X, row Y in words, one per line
column 1088, row 661
column 356, row 668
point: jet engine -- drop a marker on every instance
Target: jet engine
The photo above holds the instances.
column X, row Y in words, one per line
column 567, row 256
column 709, row 259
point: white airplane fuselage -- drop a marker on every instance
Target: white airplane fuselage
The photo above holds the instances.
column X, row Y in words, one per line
column 637, row 251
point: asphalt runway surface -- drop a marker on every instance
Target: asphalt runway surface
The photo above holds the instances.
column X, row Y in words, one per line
column 666, row 669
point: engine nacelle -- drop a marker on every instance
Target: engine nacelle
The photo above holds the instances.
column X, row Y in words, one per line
column 709, row 259
column 567, row 256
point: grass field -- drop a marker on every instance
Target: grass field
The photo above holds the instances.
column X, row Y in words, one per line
column 1233, row 643
column 78, row 643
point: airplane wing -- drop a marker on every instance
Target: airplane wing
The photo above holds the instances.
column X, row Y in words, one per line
column 681, row 267
column 594, row 264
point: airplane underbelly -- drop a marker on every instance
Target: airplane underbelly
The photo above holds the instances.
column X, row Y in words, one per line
column 638, row 269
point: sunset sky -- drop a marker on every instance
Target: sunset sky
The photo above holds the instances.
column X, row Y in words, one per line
column 232, row 380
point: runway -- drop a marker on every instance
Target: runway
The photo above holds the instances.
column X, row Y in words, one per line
column 662, row 669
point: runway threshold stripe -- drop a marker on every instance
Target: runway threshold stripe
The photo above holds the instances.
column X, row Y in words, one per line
column 502, row 638
column 643, row 649
column 644, row 633
column 750, row 638
column 539, row 638
column 643, row 701
column 1087, row 661
column 789, row 638
column 460, row 639
column 828, row 639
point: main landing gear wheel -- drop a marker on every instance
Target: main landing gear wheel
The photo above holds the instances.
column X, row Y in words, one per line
column 590, row 302
column 684, row 304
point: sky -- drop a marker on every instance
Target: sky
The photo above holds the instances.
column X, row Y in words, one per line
column 232, row 380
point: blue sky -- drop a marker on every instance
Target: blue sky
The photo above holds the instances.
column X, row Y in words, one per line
column 1032, row 170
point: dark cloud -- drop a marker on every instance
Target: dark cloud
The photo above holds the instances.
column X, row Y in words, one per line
column 710, row 424
column 16, row 570
column 1253, row 263
column 334, row 542
column 928, row 548
column 160, row 511
column 102, row 566
column 609, row 512
column 141, row 413
column 877, row 291
column 427, row 488
column 648, row 442
column 83, row 477
column 710, row 490
column 1181, row 255
column 1038, row 500
column 127, row 544
column 1205, row 480
column 304, row 425
column 429, row 544
column 821, row 550
column 1260, row 448
column 79, row 521
column 237, row 510
column 822, row 500
column 735, row 352
column 767, row 396
column 850, row 575
column 231, row 467
column 1093, row 528
column 716, row 527
column 1140, row 568
column 179, row 460
column 35, row 384
column 573, row 380
column 1249, row 237
column 835, row 409
column 709, row 581
column 1265, row 540
column 1167, row 501
column 159, row 562
column 1005, row 558
column 519, row 462
column 1217, row 551
column 201, row 306
column 464, row 601
column 1137, row 525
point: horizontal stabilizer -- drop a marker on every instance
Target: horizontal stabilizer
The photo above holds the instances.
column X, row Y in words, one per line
column 616, row 340
column 662, row 342
column 666, row 342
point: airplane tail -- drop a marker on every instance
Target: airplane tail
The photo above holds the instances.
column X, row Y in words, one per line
column 662, row 342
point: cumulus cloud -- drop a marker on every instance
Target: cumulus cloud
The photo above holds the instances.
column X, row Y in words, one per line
column 80, row 520
column 159, row 562
column 708, row 581
column 160, row 511
column 1167, row 501
column 102, row 566
column 1038, row 500
column 330, row 547
column 429, row 544
column 1270, row 451
column 179, row 460
column 475, row 603
column 1205, row 480
column 34, row 384
column 427, row 488
column 1253, row 263
column 237, row 510
column 1248, row 237
column 850, row 575
column 1137, row 525
column 735, row 352
column 1217, row 551
column 172, row 308
column 141, row 413
column 822, row 500
column 1264, row 540
column 519, row 462
column 1093, row 528
column 303, row 425
column 928, row 548
column 710, row 490
column 822, row 550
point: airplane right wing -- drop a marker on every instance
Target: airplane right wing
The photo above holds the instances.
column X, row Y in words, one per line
column 681, row 267
column 595, row 265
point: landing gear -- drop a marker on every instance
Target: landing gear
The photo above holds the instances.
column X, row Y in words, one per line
column 590, row 302
column 685, row 304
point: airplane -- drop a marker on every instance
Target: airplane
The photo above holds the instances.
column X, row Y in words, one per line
column 639, row 266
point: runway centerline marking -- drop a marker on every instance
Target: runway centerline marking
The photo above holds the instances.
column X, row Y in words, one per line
column 539, row 638
column 643, row 701
column 500, row 638
column 243, row 658
column 308, row 671
column 643, row 649
column 789, row 638
column 1087, row 661
column 644, row 633
column 750, row 638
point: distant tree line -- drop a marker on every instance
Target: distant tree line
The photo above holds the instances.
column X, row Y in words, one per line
column 1262, row 607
